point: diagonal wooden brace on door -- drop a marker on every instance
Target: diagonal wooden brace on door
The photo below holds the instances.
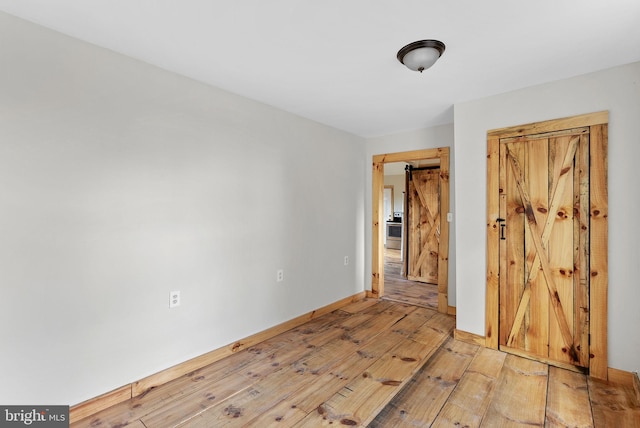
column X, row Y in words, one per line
column 539, row 245
column 556, row 193
column 433, row 218
column 425, row 247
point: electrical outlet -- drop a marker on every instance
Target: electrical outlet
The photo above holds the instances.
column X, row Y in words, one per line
column 346, row 260
column 280, row 275
column 449, row 217
column 174, row 299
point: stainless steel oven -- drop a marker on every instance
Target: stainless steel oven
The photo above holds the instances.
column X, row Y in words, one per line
column 394, row 235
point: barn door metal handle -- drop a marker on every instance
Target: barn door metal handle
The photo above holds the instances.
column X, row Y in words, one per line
column 502, row 226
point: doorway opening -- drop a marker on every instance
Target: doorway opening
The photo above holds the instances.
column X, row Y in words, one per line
column 412, row 232
column 440, row 157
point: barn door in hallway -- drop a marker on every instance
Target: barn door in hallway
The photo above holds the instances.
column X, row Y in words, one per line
column 423, row 224
column 544, row 247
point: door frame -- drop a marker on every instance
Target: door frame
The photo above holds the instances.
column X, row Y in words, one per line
column 598, row 243
column 377, row 237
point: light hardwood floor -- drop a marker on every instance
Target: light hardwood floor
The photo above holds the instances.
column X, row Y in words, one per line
column 399, row 289
column 379, row 364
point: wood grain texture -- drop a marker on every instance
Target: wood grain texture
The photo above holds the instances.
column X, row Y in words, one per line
column 470, row 401
column 419, row 403
column 492, row 310
column 542, row 187
column 613, row 405
column 547, row 135
column 599, row 249
column 589, row 119
column 424, row 226
column 97, row 404
column 567, row 400
column 577, row 146
column 562, row 250
column 550, row 280
column 377, row 227
column 520, row 396
column 512, row 249
column 443, row 249
column 622, row 377
column 360, row 400
column 544, row 360
column 399, row 289
column 413, row 155
column 582, row 236
column 467, row 337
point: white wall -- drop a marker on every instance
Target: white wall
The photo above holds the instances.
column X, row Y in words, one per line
column 616, row 90
column 398, row 182
column 120, row 182
column 429, row 138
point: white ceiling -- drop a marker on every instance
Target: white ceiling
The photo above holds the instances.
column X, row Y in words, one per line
column 334, row 61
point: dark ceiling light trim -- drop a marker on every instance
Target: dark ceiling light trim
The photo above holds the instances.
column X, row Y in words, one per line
column 420, row 55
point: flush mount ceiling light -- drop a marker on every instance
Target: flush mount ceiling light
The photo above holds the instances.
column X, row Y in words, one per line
column 420, row 55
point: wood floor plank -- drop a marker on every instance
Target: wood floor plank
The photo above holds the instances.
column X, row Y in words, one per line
column 567, row 400
column 184, row 409
column 413, row 321
column 242, row 381
column 348, row 369
column 352, row 366
column 381, row 306
column 360, row 401
column 347, row 333
column 400, row 308
column 455, row 415
column 240, row 408
column 295, row 346
column 520, row 396
column 399, row 289
column 613, row 405
column 374, row 326
column 470, row 400
column 359, row 306
column 300, row 377
column 425, row 394
column 283, row 414
column 366, row 395
column 440, row 324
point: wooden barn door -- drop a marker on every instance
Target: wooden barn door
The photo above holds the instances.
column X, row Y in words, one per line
column 544, row 216
column 423, row 218
column 547, row 233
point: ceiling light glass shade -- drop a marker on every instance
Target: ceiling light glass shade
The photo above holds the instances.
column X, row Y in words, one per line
column 421, row 59
column 420, row 55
